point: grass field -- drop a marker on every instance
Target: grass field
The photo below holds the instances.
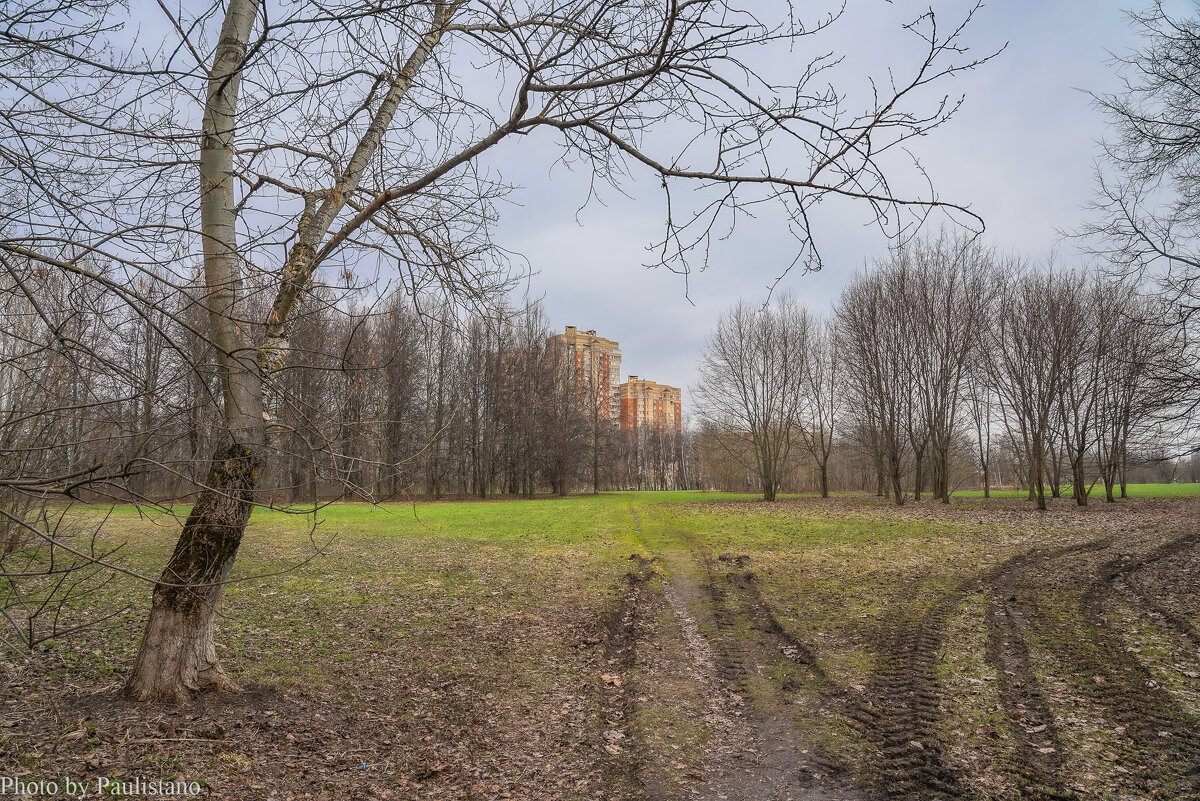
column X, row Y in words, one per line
column 1097, row 492
column 659, row 646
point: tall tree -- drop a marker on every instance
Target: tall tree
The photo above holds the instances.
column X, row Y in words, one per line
column 751, row 384
column 876, row 337
column 1031, row 341
column 823, row 399
column 949, row 287
column 356, row 135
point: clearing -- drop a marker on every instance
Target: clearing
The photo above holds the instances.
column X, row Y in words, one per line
column 660, row 646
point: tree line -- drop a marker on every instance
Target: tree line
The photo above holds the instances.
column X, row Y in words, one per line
column 947, row 364
column 270, row 146
column 387, row 395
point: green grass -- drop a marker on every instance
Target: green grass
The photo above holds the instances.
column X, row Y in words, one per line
column 390, row 608
column 1133, row 490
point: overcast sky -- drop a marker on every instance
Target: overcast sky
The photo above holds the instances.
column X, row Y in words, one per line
column 1020, row 152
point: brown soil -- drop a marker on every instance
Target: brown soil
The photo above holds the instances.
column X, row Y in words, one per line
column 757, row 754
column 1088, row 633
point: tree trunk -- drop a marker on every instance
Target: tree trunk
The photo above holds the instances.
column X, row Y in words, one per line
column 1108, row 475
column 1055, row 474
column 919, row 473
column 768, row 488
column 178, row 657
column 1037, row 487
column 896, row 479
column 768, row 478
column 942, row 490
column 1079, row 481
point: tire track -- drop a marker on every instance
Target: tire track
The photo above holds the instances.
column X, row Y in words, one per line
column 1126, row 577
column 1038, row 761
column 622, row 630
column 1158, row 748
column 900, row 710
column 1162, row 734
column 764, row 620
column 749, row 637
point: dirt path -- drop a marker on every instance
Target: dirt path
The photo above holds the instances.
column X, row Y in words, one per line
column 1043, row 607
column 1160, row 746
column 1163, row 739
column 1038, row 756
column 755, row 754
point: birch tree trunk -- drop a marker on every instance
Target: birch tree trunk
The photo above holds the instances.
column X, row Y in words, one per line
column 177, row 657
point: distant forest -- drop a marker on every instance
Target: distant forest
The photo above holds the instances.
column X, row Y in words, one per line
column 942, row 367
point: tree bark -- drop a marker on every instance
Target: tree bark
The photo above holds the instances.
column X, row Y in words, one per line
column 1037, row 487
column 178, row 657
column 1079, row 481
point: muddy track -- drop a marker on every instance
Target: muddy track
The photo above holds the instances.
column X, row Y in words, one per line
column 1163, row 740
column 749, row 638
column 747, row 586
column 1039, row 755
column 733, row 649
column 622, row 628
column 1126, row 577
column 900, row 709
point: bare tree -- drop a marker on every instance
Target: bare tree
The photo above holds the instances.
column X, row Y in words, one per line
column 1149, row 203
column 981, row 408
column 1032, row 338
column 876, row 337
column 564, row 414
column 1090, row 313
column 751, row 386
column 823, row 398
column 273, row 142
column 1139, row 389
column 949, row 287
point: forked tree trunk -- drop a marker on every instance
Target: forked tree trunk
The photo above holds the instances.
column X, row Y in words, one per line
column 919, row 474
column 768, row 486
column 178, row 656
column 178, row 652
column 1037, row 487
column 1079, row 481
column 896, row 480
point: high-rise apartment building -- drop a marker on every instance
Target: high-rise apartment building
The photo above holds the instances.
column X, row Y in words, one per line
column 648, row 404
column 597, row 363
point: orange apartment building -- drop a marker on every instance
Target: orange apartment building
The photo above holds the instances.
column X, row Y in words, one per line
column 650, row 404
column 597, row 366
